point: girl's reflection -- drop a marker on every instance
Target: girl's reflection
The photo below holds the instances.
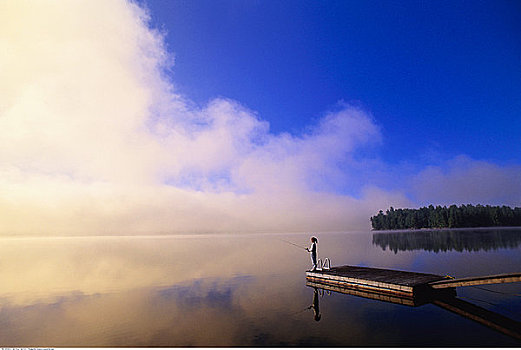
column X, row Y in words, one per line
column 315, row 306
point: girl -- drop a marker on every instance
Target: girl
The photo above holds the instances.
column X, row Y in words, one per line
column 313, row 251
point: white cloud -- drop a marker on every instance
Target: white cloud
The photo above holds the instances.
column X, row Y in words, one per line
column 466, row 181
column 95, row 139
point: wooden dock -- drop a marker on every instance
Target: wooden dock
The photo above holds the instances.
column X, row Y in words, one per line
column 409, row 301
column 444, row 298
column 401, row 284
column 476, row 281
column 415, row 289
column 398, row 283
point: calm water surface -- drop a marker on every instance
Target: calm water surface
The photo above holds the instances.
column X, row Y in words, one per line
column 243, row 290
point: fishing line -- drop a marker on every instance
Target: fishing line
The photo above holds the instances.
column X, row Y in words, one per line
column 495, row 291
column 293, row 244
column 301, row 311
column 508, row 310
column 479, row 300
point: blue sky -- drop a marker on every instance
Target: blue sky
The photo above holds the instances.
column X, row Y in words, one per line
column 441, row 78
column 143, row 116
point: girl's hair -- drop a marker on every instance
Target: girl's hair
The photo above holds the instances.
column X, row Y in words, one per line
column 314, row 239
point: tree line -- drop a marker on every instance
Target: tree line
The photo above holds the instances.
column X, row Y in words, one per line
column 443, row 217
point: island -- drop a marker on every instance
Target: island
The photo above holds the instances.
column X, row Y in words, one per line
column 447, row 217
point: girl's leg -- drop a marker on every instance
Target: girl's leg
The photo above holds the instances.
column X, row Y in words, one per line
column 314, row 261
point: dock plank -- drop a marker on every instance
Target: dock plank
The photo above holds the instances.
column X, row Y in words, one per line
column 476, row 281
column 396, row 277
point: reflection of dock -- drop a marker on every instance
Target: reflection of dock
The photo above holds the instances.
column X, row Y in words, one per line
column 415, row 289
column 480, row 315
column 447, row 301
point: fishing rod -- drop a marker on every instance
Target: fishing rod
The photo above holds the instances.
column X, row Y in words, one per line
column 296, row 245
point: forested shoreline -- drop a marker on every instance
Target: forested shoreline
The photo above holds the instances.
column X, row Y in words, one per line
column 447, row 217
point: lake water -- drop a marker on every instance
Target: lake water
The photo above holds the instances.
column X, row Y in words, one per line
column 243, row 290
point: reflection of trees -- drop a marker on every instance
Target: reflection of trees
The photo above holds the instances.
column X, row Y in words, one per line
column 446, row 240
